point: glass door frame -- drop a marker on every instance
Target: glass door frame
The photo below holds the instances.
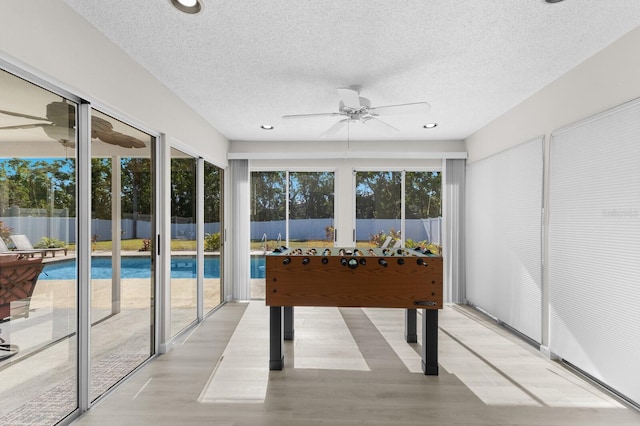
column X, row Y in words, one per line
column 403, row 171
column 164, row 337
column 85, row 250
column 83, row 226
column 201, row 183
column 288, row 170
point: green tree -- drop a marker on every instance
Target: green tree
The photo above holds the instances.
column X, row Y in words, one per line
column 422, row 195
column 137, row 186
column 311, row 195
column 268, row 198
column 38, row 184
column 212, row 194
column 183, row 188
column 378, row 195
column 64, row 174
column 101, row 188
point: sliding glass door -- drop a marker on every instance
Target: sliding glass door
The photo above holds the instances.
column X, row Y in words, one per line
column 38, row 267
column 268, row 222
column 60, row 349
column 183, row 241
column 122, row 285
column 213, row 236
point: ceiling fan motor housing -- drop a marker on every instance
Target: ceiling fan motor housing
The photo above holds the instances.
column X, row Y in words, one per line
column 356, row 113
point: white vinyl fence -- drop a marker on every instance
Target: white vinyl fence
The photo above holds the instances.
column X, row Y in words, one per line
column 64, row 229
column 429, row 230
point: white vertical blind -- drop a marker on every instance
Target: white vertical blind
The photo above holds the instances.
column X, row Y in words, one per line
column 453, row 201
column 239, row 227
column 504, row 236
column 594, row 247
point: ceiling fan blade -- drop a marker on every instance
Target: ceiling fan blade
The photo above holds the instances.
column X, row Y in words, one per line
column 132, row 142
column 25, row 126
column 322, row 114
column 413, row 108
column 120, row 139
column 17, row 114
column 103, row 130
column 100, row 125
column 335, row 128
column 380, row 126
column 349, row 97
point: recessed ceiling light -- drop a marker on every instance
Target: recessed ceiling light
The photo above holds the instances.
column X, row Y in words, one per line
column 266, row 127
column 551, row 1
column 187, row 6
column 430, row 125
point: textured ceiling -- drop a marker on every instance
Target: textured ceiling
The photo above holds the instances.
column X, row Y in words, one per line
column 241, row 64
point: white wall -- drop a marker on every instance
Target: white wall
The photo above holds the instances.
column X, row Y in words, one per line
column 50, row 40
column 607, row 79
column 344, row 149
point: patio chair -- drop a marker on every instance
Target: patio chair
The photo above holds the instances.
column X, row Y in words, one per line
column 5, row 250
column 23, row 244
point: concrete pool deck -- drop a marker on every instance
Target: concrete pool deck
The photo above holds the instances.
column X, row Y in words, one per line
column 47, row 339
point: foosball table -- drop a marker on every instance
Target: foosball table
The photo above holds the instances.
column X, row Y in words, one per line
column 355, row 277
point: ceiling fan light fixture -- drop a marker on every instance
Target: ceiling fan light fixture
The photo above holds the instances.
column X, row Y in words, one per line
column 266, row 127
column 430, row 125
column 187, row 6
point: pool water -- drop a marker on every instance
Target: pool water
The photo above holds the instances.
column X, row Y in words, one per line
column 140, row 267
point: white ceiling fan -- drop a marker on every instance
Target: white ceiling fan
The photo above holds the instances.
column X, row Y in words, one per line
column 59, row 124
column 354, row 108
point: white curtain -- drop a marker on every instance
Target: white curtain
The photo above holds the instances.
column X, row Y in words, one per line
column 239, row 230
column 594, row 247
column 454, row 200
column 504, row 236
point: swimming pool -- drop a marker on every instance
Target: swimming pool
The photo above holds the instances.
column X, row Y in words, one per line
column 140, row 267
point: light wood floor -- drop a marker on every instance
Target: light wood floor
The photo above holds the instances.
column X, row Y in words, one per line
column 352, row 367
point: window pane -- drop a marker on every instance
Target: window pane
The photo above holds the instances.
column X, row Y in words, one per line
column 38, row 310
column 268, row 223
column 183, row 241
column 311, row 209
column 213, row 260
column 121, row 269
column 378, row 208
column 423, row 210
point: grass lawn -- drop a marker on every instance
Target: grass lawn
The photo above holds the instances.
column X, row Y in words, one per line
column 137, row 244
column 190, row 245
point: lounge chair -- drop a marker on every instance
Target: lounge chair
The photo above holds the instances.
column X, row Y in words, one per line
column 5, row 250
column 3, row 247
column 23, row 244
column 386, row 242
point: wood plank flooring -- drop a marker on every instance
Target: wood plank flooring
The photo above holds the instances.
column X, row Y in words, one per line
column 365, row 375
